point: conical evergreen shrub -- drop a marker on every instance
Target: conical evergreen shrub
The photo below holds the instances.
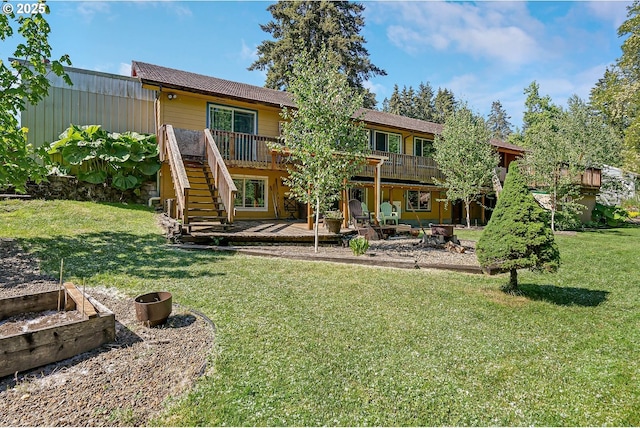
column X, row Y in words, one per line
column 518, row 234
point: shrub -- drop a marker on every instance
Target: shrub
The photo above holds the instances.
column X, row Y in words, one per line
column 518, row 234
column 567, row 221
column 611, row 216
column 359, row 245
column 96, row 156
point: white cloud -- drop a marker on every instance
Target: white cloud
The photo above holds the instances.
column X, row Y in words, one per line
column 613, row 11
column 503, row 32
column 124, row 69
column 88, row 10
column 247, row 53
column 178, row 8
column 378, row 89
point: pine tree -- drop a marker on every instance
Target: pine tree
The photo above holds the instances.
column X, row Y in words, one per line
column 309, row 26
column 392, row 105
column 518, row 235
column 425, row 109
column 498, row 122
column 445, row 104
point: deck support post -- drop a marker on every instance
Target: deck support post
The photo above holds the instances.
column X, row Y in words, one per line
column 377, row 191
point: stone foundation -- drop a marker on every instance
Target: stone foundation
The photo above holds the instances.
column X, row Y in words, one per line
column 67, row 187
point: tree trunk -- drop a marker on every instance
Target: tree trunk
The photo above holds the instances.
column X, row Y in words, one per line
column 553, row 210
column 466, row 207
column 315, row 245
column 513, row 280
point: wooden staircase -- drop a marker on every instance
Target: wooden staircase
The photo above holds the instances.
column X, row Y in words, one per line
column 205, row 210
column 204, row 189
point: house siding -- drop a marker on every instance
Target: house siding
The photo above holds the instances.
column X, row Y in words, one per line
column 118, row 103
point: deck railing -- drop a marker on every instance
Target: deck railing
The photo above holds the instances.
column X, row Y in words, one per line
column 592, row 177
column 406, row 167
column 247, row 150
column 169, row 150
column 226, row 187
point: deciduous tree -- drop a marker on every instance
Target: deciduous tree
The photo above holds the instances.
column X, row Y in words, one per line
column 465, row 156
column 23, row 81
column 561, row 145
column 309, row 26
column 327, row 142
column 518, row 235
column 617, row 95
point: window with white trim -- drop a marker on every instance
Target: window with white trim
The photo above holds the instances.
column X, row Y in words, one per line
column 386, row 142
column 252, row 193
column 418, row 200
column 423, row 147
column 232, row 119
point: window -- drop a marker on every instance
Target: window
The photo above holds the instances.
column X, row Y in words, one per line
column 386, row 142
column 423, row 147
column 229, row 119
column 232, row 119
column 252, row 194
column 418, row 200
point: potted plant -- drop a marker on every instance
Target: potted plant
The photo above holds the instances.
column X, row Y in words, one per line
column 333, row 221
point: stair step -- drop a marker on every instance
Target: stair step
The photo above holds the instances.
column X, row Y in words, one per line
column 209, row 202
column 207, row 218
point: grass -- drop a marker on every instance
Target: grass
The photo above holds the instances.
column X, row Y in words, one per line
column 304, row 343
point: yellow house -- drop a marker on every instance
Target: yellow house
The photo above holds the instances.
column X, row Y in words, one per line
column 217, row 166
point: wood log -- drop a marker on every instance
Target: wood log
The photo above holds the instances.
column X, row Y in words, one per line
column 82, row 304
column 453, row 247
column 29, row 303
column 36, row 348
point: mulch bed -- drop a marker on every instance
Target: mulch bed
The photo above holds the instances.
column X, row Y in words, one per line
column 124, row 383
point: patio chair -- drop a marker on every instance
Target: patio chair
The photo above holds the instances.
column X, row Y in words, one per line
column 365, row 210
column 387, row 214
column 355, row 210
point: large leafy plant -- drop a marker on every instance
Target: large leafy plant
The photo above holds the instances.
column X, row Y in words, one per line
column 123, row 160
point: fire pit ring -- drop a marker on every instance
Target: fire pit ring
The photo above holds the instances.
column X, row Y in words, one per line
column 153, row 308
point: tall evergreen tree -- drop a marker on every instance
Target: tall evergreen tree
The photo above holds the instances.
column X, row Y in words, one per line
column 444, row 104
column 498, row 122
column 518, row 234
column 392, row 105
column 304, row 25
column 425, row 108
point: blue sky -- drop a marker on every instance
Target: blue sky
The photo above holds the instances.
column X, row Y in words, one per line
column 483, row 51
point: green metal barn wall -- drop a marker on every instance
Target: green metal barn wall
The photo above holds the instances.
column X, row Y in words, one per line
column 118, row 103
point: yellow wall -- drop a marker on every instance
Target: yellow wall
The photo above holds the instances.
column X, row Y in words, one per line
column 274, row 188
column 189, row 111
column 407, row 137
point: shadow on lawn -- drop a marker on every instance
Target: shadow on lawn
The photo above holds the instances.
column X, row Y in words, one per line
column 144, row 256
column 563, row 296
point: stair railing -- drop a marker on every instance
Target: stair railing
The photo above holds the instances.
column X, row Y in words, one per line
column 169, row 145
column 221, row 177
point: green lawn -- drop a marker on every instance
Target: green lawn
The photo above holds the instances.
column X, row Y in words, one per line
column 304, row 343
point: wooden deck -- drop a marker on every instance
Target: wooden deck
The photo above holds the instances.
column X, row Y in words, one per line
column 269, row 231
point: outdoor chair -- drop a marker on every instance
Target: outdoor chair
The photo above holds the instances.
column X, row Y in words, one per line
column 355, row 210
column 387, row 214
column 365, row 210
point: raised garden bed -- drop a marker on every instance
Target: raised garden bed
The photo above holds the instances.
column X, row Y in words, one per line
column 81, row 324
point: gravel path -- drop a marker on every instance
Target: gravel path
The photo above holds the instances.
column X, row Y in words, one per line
column 402, row 252
column 124, row 383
